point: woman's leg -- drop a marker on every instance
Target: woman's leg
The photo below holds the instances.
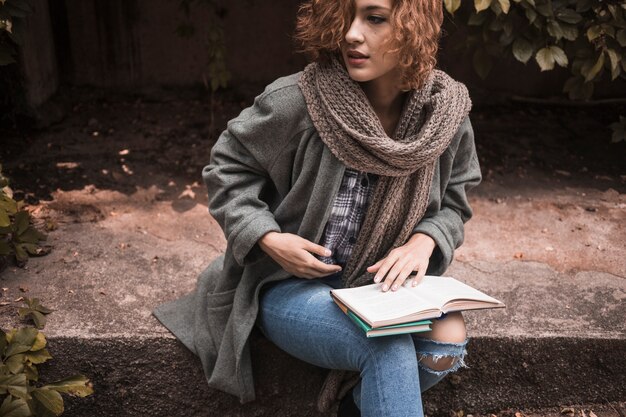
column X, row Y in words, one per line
column 299, row 316
column 439, row 351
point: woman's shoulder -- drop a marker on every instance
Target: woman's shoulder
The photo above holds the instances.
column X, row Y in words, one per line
column 283, row 99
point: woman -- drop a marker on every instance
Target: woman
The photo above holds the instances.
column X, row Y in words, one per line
column 354, row 170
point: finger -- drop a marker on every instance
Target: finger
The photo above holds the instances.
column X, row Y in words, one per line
column 402, row 276
column 419, row 274
column 317, row 266
column 316, row 249
column 388, row 262
column 375, row 267
column 392, row 276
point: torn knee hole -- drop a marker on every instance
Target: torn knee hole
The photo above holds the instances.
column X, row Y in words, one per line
column 438, row 363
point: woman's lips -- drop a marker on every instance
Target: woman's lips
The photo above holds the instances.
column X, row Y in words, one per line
column 356, row 59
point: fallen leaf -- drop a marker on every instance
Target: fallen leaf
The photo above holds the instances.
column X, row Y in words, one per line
column 518, row 255
column 188, row 193
column 567, row 410
column 24, row 288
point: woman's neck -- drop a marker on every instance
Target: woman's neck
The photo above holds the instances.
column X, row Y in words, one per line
column 387, row 99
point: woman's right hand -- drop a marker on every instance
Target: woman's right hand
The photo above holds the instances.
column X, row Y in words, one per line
column 294, row 254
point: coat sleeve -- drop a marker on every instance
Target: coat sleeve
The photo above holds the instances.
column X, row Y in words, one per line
column 237, row 177
column 449, row 208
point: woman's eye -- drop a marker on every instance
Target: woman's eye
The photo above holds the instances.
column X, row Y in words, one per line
column 376, row 19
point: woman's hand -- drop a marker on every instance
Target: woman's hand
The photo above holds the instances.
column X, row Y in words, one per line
column 294, row 254
column 402, row 261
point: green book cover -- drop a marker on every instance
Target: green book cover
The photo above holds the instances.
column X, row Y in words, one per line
column 366, row 328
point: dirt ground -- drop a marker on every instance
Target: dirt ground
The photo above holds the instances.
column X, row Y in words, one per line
column 553, row 187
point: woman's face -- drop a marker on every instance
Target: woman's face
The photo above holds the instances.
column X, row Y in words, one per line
column 366, row 44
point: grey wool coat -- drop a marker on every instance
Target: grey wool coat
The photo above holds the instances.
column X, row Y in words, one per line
column 270, row 171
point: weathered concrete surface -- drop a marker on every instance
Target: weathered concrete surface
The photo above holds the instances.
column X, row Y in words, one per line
column 133, row 231
column 562, row 338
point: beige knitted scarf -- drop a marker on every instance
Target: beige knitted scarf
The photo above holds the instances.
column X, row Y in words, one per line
column 350, row 128
column 348, row 125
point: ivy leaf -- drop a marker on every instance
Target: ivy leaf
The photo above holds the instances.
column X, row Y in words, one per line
column 14, row 407
column 554, row 29
column 568, row 16
column 40, row 342
column 545, row 59
column 522, row 50
column 22, row 340
column 15, row 385
column 38, row 357
column 35, row 311
column 559, row 56
column 481, row 5
column 77, row 385
column 621, row 37
column 49, row 399
column 482, row 63
column 590, row 73
column 15, row 363
column 452, row 5
column 505, row 5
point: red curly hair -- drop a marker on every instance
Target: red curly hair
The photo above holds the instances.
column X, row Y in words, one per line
column 322, row 25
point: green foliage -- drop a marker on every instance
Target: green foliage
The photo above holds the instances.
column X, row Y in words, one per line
column 12, row 15
column 17, row 236
column 586, row 36
column 21, row 350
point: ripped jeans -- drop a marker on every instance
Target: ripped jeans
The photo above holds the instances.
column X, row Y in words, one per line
column 299, row 316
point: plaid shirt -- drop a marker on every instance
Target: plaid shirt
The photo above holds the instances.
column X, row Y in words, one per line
column 347, row 214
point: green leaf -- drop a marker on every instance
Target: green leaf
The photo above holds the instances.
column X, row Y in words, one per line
column 38, row 357
column 16, row 385
column 621, row 37
column 482, row 63
column 531, row 15
column 477, row 19
column 20, row 253
column 614, row 58
column 31, row 235
column 568, row 16
column 40, row 342
column 505, row 5
column 595, row 69
column 22, row 340
column 452, row 5
column 4, row 218
column 554, row 29
column 522, row 50
column 14, row 407
column 570, row 32
column 559, row 56
column 77, row 385
column 21, row 221
column 481, row 5
column 31, row 372
column 15, row 363
column 594, row 32
column 545, row 59
column 49, row 399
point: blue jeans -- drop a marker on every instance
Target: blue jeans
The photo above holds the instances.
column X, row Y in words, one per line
column 299, row 316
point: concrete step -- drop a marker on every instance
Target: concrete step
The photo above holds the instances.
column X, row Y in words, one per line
column 561, row 340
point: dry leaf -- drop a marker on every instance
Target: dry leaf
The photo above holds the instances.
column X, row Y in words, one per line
column 567, row 410
column 518, row 255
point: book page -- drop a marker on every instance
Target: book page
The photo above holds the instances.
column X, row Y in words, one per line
column 441, row 290
column 371, row 303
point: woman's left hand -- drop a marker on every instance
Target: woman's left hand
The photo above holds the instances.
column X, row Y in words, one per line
column 402, row 261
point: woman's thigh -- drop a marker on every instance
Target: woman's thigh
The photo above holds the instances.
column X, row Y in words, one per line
column 299, row 316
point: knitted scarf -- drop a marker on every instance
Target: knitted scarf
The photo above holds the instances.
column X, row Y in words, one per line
column 348, row 125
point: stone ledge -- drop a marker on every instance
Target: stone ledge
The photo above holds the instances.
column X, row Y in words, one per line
column 159, row 377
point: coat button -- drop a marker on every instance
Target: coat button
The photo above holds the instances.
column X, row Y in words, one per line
column 352, row 240
column 364, row 182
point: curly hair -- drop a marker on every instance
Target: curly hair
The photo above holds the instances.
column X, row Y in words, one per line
column 322, row 25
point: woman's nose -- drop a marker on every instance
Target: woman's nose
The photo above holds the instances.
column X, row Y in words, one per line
column 355, row 33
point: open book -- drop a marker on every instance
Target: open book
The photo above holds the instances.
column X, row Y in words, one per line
column 432, row 297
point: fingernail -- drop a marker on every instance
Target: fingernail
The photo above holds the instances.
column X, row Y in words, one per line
column 327, row 253
column 414, row 283
column 395, row 287
column 385, row 287
column 377, row 279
